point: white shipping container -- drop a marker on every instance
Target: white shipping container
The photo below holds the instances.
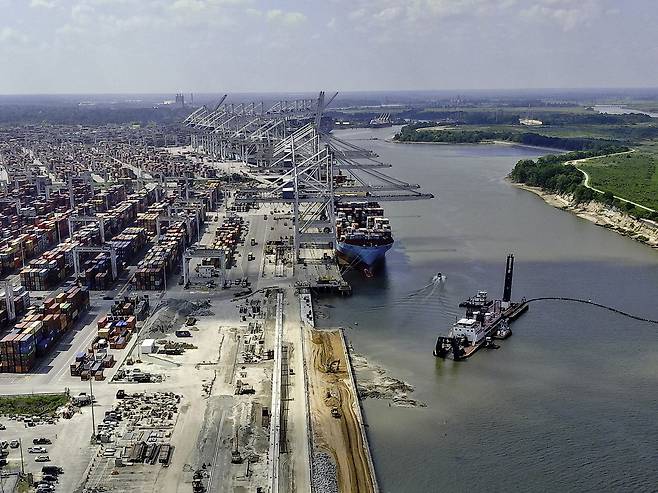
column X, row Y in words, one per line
column 148, row 346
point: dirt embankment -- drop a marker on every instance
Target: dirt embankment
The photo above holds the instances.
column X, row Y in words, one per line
column 337, row 432
column 600, row 214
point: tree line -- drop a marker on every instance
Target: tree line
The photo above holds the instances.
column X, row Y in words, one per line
column 551, row 174
column 410, row 133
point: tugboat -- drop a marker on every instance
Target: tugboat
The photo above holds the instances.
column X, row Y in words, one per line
column 503, row 331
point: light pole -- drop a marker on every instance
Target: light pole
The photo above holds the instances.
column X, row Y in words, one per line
column 93, row 420
column 20, row 444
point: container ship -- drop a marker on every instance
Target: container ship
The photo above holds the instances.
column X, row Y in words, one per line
column 363, row 234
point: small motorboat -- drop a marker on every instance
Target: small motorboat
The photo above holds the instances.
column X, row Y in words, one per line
column 438, row 278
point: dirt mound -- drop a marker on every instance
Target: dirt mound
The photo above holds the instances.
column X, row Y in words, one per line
column 171, row 315
column 373, row 382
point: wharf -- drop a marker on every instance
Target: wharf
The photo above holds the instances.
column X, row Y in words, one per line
column 321, row 274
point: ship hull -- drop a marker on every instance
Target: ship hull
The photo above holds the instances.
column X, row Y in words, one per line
column 364, row 254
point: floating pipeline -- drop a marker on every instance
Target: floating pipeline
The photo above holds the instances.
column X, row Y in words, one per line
column 590, row 302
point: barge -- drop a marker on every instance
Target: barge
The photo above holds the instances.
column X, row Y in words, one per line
column 485, row 321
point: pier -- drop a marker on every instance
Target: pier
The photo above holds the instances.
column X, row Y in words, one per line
column 321, row 274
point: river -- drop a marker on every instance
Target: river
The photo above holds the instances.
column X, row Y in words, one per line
column 569, row 402
column 615, row 109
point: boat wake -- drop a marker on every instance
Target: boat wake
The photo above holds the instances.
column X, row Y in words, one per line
column 424, row 299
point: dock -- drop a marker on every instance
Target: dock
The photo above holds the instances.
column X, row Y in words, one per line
column 321, row 274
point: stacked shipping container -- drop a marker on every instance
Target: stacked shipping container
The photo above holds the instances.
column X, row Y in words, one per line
column 226, row 238
column 114, row 330
column 35, row 335
column 21, row 304
column 161, row 259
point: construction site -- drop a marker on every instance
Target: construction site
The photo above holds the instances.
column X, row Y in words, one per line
column 160, row 292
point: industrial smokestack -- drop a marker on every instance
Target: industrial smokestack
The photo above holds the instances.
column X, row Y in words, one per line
column 509, row 274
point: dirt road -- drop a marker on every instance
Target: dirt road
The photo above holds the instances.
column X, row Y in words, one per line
column 341, row 435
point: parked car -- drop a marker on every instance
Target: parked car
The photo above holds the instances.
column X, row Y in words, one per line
column 42, row 458
column 37, row 450
column 41, row 441
column 2, row 427
column 52, row 470
column 14, row 444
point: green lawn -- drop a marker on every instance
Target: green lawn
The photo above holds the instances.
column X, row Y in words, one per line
column 630, row 176
column 32, row 405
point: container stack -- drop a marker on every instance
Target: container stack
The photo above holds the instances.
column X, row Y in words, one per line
column 106, row 199
column 17, row 352
column 96, row 272
column 21, row 304
column 39, row 329
column 116, row 330
column 147, row 219
column 22, row 241
column 131, row 305
column 92, row 365
column 129, row 243
column 226, row 238
column 161, row 259
column 49, row 270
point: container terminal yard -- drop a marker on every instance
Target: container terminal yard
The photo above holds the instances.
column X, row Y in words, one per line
column 156, row 313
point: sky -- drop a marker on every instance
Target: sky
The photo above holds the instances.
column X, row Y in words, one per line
column 163, row 46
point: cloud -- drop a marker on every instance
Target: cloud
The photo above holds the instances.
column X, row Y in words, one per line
column 46, row 4
column 422, row 15
column 565, row 13
column 285, row 18
column 10, row 36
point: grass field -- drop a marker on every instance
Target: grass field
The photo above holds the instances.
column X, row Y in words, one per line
column 630, row 176
column 32, row 405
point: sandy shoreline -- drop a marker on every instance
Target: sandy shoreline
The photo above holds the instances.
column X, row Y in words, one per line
column 643, row 231
column 483, row 142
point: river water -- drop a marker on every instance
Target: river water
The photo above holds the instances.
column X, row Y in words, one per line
column 569, row 402
column 615, row 109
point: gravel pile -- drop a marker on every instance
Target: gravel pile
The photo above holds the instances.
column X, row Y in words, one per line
column 325, row 477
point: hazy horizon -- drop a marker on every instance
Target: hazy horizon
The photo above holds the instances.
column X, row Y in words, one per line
column 214, row 46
